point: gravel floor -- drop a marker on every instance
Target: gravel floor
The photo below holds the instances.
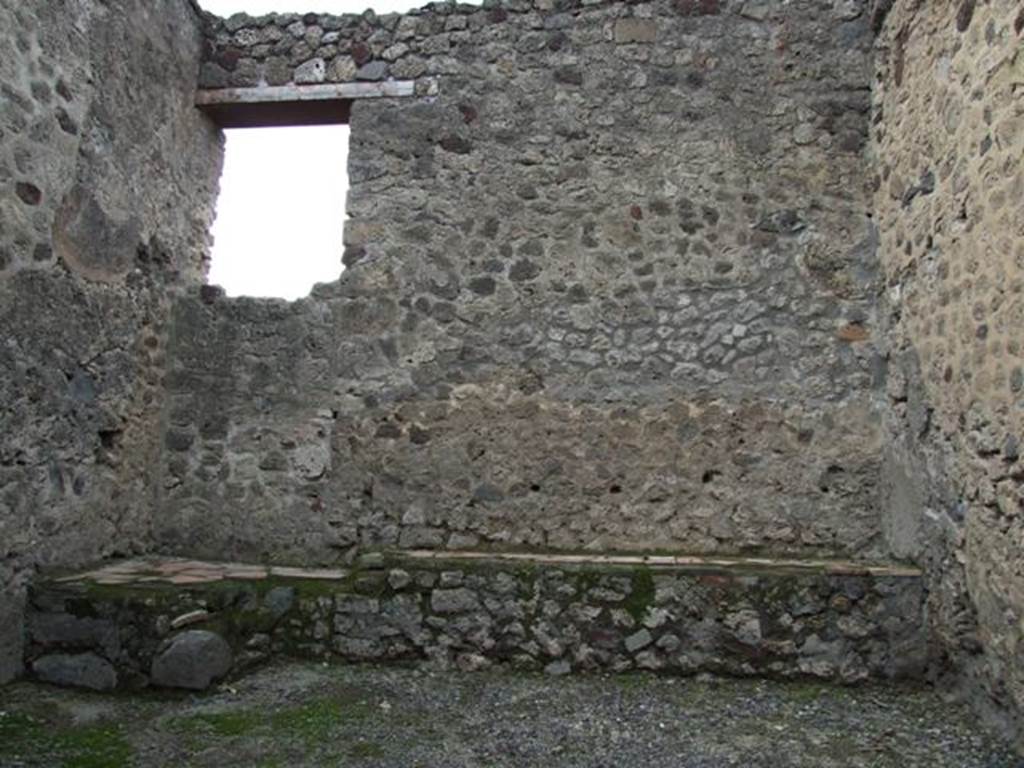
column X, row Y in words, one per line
column 311, row 715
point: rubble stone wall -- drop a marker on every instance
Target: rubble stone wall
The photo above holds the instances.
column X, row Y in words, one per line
column 948, row 138
column 107, row 177
column 609, row 286
column 118, row 627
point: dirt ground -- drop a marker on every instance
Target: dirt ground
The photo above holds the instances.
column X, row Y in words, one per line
column 301, row 714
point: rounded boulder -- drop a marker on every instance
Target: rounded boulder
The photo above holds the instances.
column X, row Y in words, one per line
column 192, row 660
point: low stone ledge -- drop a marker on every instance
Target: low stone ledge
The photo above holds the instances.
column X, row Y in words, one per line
column 560, row 613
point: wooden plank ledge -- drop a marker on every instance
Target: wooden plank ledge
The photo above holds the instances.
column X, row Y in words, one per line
column 684, row 562
column 181, row 571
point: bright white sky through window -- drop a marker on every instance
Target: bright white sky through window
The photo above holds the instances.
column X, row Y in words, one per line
column 282, row 193
column 280, row 210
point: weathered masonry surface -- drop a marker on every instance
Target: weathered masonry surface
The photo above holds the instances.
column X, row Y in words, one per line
column 948, row 141
column 609, row 275
column 109, row 176
column 701, row 277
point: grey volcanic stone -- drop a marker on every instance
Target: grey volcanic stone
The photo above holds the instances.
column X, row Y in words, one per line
column 12, row 635
column 312, row 71
column 638, row 640
column 82, row 670
column 279, row 601
column 375, row 70
column 193, row 660
column 453, row 601
column 74, row 632
column 399, row 579
column 558, row 668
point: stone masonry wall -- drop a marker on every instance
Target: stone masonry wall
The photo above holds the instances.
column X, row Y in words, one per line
column 609, row 286
column 185, row 623
column 949, row 137
column 107, row 175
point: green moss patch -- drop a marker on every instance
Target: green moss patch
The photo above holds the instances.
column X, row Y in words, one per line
column 310, row 723
column 94, row 747
column 223, row 724
column 91, row 746
column 642, row 596
column 314, row 721
column 364, row 750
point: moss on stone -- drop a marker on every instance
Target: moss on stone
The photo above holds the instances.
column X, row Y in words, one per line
column 120, row 593
column 587, row 579
column 642, row 596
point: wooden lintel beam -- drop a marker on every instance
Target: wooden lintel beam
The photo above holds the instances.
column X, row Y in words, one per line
column 282, row 105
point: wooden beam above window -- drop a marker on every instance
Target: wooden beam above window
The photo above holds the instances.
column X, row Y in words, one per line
column 283, row 105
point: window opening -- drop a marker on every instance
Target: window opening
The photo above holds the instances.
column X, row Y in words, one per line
column 281, row 209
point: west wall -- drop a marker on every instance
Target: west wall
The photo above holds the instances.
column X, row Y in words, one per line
column 948, row 138
column 609, row 285
column 107, row 176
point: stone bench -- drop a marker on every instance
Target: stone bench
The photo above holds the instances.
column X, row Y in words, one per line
column 184, row 623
